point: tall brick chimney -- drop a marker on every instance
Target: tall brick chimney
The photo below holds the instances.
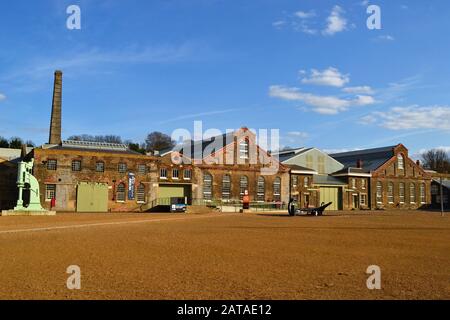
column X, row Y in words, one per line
column 55, row 123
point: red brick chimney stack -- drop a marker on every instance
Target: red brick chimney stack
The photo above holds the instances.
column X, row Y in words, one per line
column 55, row 123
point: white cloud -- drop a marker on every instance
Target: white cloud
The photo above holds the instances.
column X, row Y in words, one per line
column 443, row 148
column 359, row 90
column 298, row 134
column 335, row 22
column 279, row 24
column 321, row 104
column 2, row 97
column 305, row 15
column 411, row 117
column 328, row 77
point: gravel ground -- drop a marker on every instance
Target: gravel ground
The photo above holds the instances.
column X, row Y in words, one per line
column 226, row 256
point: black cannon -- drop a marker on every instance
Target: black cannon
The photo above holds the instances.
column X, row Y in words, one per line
column 310, row 211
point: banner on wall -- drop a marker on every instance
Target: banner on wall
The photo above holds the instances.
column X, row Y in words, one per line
column 131, row 183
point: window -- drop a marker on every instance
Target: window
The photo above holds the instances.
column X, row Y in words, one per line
column 401, row 192
column 306, row 182
column 187, row 174
column 277, row 189
column 379, row 192
column 243, row 186
column 363, row 199
column 175, row 173
column 140, row 194
column 207, row 186
column 50, row 191
column 226, row 187
column 390, row 192
column 353, row 183
column 294, row 182
column 76, row 165
column 243, row 149
column 122, row 167
column 400, row 162
column 422, row 193
column 163, row 173
column 142, row 169
column 412, row 193
column 363, row 184
column 260, row 190
column 120, row 192
column 52, row 164
column 100, row 166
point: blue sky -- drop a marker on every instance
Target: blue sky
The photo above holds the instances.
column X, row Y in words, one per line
column 309, row 68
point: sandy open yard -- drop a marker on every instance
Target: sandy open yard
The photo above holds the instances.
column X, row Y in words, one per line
column 226, row 256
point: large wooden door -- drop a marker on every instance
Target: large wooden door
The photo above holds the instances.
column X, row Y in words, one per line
column 92, row 197
column 330, row 194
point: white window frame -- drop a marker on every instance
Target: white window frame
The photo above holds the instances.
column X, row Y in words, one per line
column 50, row 194
column 163, row 173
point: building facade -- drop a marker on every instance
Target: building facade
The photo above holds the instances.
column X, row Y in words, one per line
column 119, row 179
column 397, row 182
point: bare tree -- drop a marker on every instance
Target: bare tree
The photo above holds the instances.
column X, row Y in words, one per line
column 86, row 137
column 437, row 160
column 157, row 141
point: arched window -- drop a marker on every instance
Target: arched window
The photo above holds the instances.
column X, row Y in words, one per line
column 400, row 162
column 207, row 186
column 422, row 193
column 401, row 192
column 390, row 192
column 412, row 193
column 243, row 186
column 261, row 190
column 379, row 192
column 120, row 196
column 226, row 187
column 277, row 189
column 244, row 149
column 140, row 194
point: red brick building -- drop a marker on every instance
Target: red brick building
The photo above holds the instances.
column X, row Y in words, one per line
column 397, row 181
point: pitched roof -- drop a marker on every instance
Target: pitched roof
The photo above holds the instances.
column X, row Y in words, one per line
column 197, row 147
column 295, row 167
column 12, row 154
column 445, row 183
column 94, row 146
column 350, row 171
column 327, row 180
column 371, row 159
column 290, row 153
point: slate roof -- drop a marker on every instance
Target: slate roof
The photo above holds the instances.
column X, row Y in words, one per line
column 350, row 170
column 197, row 147
column 371, row 159
column 445, row 183
column 328, row 180
column 299, row 168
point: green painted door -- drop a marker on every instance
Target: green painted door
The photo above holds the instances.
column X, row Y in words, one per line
column 92, row 197
column 330, row 194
